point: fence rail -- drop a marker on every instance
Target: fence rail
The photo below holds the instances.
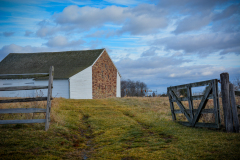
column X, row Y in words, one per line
column 23, row 76
column 193, row 115
column 231, row 120
column 29, row 110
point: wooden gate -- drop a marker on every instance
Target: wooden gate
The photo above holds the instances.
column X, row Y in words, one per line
column 193, row 115
column 29, row 110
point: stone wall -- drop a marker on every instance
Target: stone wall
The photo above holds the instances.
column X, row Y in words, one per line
column 104, row 78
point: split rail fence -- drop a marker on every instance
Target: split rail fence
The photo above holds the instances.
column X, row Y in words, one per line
column 29, row 110
column 192, row 115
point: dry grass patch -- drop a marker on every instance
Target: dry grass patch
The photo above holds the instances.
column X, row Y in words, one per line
column 115, row 128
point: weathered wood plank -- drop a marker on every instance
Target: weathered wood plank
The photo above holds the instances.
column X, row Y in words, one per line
column 23, row 100
column 183, row 109
column 193, row 98
column 22, row 88
column 49, row 96
column 23, row 110
column 204, row 111
column 190, row 104
column 171, row 106
column 216, row 102
column 22, row 121
column 226, row 102
column 23, row 76
column 234, row 108
column 209, row 125
column 202, row 105
column 196, row 84
column 237, row 93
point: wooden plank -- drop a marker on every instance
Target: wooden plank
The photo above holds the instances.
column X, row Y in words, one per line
column 216, row 103
column 171, row 106
column 202, row 105
column 183, row 109
column 234, row 108
column 22, row 88
column 23, row 76
column 196, row 84
column 193, row 98
column 204, row 111
column 237, row 93
column 23, row 110
column 208, row 125
column 23, row 100
column 49, row 96
column 22, row 121
column 226, row 102
column 190, row 104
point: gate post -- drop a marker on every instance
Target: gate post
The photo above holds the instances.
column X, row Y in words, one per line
column 228, row 119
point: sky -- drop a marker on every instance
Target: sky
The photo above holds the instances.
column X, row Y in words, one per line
column 160, row 42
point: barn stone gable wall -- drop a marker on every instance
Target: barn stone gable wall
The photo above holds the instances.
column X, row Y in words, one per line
column 104, row 78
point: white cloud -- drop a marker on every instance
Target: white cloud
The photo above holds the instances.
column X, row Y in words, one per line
column 61, row 41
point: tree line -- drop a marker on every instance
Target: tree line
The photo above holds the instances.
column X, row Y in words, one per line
column 132, row 88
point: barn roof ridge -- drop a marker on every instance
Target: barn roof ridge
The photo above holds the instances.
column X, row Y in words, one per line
column 66, row 65
column 60, row 51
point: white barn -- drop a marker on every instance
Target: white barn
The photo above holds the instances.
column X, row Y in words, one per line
column 86, row 74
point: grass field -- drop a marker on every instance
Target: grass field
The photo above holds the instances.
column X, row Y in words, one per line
column 116, row 128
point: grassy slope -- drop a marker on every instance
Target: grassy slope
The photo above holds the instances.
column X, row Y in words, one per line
column 119, row 128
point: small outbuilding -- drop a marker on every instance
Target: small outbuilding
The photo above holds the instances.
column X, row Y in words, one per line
column 85, row 74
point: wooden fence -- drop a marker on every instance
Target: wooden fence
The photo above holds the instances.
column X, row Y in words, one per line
column 229, row 104
column 192, row 114
column 29, row 110
column 211, row 92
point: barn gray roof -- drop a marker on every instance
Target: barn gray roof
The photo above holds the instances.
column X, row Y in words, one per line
column 66, row 64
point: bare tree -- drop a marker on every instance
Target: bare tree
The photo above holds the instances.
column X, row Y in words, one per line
column 236, row 84
column 132, row 88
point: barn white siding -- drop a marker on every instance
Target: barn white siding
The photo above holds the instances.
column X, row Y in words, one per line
column 81, row 84
column 16, row 82
column 60, row 88
column 118, row 85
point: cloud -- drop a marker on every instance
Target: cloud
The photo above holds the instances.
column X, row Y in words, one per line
column 46, row 31
column 60, row 41
column 8, row 34
column 28, row 33
column 192, row 23
column 162, row 72
column 203, row 44
column 143, row 19
column 228, row 12
column 150, row 52
column 89, row 17
column 151, row 62
column 197, row 13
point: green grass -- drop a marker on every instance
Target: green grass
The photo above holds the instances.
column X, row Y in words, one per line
column 117, row 128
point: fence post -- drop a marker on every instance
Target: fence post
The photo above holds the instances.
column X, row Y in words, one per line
column 234, row 107
column 49, row 96
column 226, row 102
